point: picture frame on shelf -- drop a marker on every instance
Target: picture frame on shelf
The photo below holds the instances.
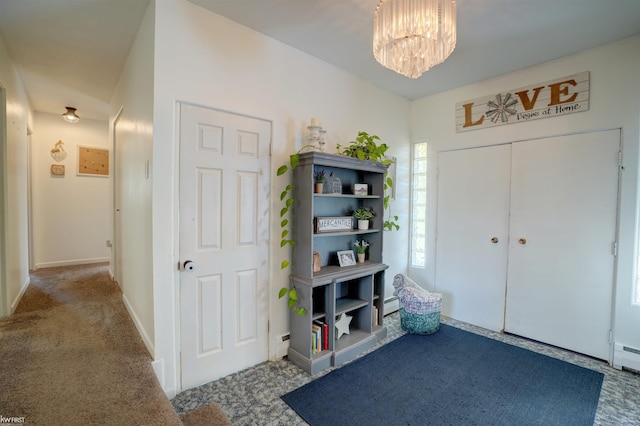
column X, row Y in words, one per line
column 360, row 189
column 346, row 258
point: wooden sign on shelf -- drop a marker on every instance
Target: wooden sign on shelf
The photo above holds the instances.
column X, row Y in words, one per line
column 334, row 224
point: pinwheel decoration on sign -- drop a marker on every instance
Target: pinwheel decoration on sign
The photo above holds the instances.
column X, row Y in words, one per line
column 501, row 108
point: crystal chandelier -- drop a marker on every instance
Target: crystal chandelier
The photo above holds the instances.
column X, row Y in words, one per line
column 411, row 36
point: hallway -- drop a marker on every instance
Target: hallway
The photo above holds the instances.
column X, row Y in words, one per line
column 71, row 355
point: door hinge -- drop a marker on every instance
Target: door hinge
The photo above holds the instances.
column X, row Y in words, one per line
column 614, row 248
column 619, row 158
column 610, row 336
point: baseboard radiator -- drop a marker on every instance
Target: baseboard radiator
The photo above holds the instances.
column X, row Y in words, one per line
column 391, row 305
column 627, row 357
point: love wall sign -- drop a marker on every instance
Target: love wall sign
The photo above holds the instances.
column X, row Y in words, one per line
column 562, row 96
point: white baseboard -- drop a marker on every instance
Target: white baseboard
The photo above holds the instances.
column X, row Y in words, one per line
column 72, row 262
column 136, row 321
column 158, row 365
column 18, row 298
column 624, row 356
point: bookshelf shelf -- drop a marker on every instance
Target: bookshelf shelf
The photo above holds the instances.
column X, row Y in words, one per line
column 354, row 232
column 345, row 304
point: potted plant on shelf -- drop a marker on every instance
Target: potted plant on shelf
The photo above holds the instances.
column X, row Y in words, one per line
column 363, row 214
column 361, row 248
column 366, row 147
column 319, row 179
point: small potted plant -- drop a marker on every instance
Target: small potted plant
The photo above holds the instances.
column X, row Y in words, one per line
column 361, row 248
column 363, row 214
column 319, row 179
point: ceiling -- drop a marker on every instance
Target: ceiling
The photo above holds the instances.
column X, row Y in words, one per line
column 71, row 52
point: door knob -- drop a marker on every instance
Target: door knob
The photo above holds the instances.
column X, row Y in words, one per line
column 522, row 241
column 188, row 266
column 494, row 240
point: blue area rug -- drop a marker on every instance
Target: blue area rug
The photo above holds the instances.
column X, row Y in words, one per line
column 452, row 377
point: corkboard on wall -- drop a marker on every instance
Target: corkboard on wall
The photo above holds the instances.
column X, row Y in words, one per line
column 93, row 161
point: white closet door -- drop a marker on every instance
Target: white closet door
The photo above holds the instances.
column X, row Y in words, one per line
column 473, row 209
column 563, row 223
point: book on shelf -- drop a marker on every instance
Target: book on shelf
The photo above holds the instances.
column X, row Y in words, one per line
column 325, row 334
column 322, row 336
column 375, row 315
column 316, row 339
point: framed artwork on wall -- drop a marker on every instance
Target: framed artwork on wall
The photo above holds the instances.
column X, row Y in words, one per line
column 57, row 169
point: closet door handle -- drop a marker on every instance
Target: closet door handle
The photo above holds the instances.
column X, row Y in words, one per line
column 494, row 240
column 522, row 241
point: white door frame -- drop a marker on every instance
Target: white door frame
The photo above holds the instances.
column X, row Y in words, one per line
column 5, row 308
column 115, row 267
column 32, row 262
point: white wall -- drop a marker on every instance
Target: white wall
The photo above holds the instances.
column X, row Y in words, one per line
column 133, row 99
column 614, row 103
column 14, row 227
column 205, row 59
column 71, row 214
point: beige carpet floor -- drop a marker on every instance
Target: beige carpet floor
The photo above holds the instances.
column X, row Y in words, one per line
column 70, row 355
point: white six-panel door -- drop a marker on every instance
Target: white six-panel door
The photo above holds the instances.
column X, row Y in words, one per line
column 552, row 205
column 224, row 231
column 563, row 225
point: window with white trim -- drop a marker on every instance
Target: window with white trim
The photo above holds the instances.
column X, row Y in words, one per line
column 419, row 206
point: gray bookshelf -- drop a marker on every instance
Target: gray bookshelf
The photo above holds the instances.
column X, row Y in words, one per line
column 355, row 290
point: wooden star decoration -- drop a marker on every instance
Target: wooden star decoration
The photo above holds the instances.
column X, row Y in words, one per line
column 342, row 325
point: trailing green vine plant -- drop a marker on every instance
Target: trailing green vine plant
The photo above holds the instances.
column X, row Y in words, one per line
column 286, row 212
column 365, row 147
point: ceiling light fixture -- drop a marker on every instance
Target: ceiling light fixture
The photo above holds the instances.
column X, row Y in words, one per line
column 71, row 115
column 411, row 36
